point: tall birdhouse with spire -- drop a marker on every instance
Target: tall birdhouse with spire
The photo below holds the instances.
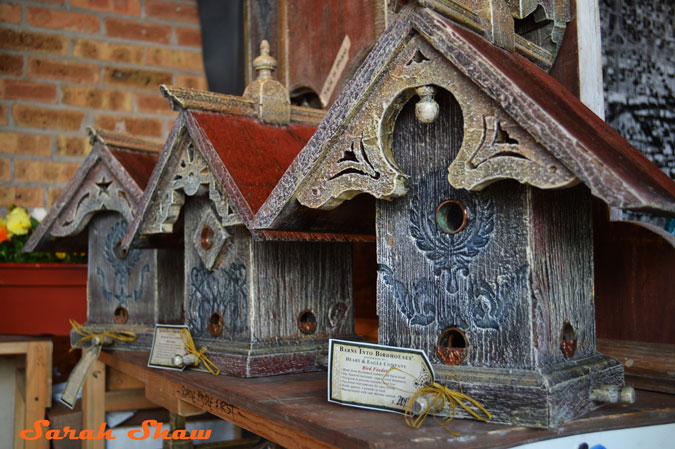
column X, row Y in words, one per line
column 126, row 290
column 483, row 168
column 262, row 302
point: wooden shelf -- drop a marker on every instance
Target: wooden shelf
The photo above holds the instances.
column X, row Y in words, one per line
column 292, row 411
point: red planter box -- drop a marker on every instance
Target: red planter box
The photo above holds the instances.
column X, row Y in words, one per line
column 40, row 298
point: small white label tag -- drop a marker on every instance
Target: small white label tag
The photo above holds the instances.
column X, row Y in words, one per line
column 166, row 344
column 78, row 374
column 339, row 65
column 374, row 376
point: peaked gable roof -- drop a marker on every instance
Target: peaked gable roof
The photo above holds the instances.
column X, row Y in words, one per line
column 111, row 178
column 218, row 146
column 559, row 140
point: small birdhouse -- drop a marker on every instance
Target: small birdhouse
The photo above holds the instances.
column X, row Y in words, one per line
column 483, row 168
column 262, row 302
column 126, row 290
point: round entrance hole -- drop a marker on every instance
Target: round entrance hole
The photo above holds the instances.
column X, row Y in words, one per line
column 569, row 340
column 307, row 322
column 451, row 216
column 206, row 238
column 120, row 252
column 216, row 323
column 120, row 315
column 452, row 346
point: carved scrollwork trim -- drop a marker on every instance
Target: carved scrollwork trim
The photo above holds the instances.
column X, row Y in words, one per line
column 101, row 191
column 359, row 158
column 188, row 175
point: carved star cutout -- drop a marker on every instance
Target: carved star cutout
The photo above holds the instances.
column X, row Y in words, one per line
column 103, row 186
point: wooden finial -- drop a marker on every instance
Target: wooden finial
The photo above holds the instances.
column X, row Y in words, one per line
column 264, row 64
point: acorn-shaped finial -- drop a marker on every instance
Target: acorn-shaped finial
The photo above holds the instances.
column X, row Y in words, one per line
column 264, row 64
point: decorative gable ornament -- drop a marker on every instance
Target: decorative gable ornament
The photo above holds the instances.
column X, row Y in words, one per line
column 483, row 168
column 263, row 302
column 126, row 290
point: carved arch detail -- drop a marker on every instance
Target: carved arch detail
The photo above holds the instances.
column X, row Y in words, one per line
column 101, row 191
column 187, row 174
column 359, row 159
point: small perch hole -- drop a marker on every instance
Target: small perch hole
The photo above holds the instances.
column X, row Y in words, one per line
column 216, row 324
column 307, row 322
column 452, row 346
column 120, row 315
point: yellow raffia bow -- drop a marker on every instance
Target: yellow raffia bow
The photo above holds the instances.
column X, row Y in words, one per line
column 443, row 395
column 86, row 334
column 192, row 349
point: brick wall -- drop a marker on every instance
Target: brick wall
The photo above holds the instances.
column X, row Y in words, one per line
column 69, row 64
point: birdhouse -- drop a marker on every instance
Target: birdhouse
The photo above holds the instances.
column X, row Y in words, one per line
column 262, row 302
column 126, row 290
column 483, row 168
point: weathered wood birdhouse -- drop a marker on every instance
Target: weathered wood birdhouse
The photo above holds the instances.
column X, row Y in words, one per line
column 126, row 290
column 261, row 304
column 483, row 168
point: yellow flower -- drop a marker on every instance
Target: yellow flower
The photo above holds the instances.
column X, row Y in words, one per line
column 60, row 255
column 18, row 221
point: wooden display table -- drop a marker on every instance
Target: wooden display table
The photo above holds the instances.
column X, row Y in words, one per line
column 292, row 411
column 33, row 390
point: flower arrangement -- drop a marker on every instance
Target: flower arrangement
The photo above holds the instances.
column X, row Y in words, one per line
column 15, row 230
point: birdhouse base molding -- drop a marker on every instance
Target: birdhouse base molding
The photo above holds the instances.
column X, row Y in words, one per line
column 268, row 359
column 535, row 398
column 143, row 342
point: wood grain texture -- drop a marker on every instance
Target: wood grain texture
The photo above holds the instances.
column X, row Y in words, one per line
column 292, row 410
column 260, row 289
column 634, row 282
column 93, row 403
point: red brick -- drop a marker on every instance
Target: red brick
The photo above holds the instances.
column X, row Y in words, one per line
column 141, row 31
column 89, row 97
column 37, row 117
column 127, row 7
column 152, row 104
column 65, row 71
column 5, row 168
column 132, row 125
column 192, row 81
column 53, row 2
column 141, row 79
column 22, row 196
column 86, row 48
column 3, row 114
column 44, row 171
column 30, row 41
column 178, row 59
column 192, row 37
column 73, row 146
column 27, row 90
column 11, row 64
column 29, row 144
column 10, row 13
column 172, row 11
column 52, row 195
column 62, row 20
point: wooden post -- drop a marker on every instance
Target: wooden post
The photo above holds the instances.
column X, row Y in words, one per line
column 38, row 386
column 93, row 404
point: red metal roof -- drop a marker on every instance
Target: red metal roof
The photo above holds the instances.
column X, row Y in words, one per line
column 255, row 154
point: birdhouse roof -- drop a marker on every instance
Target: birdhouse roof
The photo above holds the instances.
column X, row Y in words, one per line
column 237, row 158
column 111, row 178
column 555, row 141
